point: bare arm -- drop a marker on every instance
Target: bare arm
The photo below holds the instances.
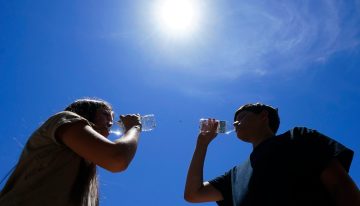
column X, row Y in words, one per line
column 340, row 185
column 195, row 189
column 92, row 146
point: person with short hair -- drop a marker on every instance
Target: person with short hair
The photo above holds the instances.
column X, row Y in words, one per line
column 298, row 167
column 58, row 163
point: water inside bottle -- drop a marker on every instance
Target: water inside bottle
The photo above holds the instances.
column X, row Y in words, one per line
column 116, row 132
column 148, row 123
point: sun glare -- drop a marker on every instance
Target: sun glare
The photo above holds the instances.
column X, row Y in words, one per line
column 177, row 17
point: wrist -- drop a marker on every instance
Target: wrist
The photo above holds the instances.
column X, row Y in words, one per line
column 138, row 127
column 134, row 127
column 202, row 142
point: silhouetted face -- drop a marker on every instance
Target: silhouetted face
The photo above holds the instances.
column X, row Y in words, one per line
column 247, row 124
column 103, row 121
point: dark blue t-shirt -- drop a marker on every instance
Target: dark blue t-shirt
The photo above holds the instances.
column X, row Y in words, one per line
column 284, row 170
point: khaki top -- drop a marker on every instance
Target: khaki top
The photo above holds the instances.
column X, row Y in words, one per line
column 47, row 169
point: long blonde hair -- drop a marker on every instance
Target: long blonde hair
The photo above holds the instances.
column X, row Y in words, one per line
column 85, row 190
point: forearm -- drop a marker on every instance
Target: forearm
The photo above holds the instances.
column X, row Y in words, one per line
column 127, row 145
column 340, row 185
column 194, row 180
column 347, row 194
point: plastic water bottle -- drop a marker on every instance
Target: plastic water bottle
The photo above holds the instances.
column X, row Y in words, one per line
column 148, row 123
column 224, row 127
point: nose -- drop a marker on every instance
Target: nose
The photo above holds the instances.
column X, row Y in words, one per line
column 236, row 123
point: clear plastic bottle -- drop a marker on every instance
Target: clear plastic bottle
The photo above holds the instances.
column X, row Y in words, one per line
column 224, row 127
column 148, row 123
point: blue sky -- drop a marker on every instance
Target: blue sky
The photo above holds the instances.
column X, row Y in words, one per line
column 302, row 57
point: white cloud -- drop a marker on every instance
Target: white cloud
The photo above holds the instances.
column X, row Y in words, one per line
column 261, row 38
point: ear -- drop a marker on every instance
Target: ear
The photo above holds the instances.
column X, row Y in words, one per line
column 264, row 115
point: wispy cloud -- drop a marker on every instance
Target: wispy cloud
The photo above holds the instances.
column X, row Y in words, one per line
column 261, row 38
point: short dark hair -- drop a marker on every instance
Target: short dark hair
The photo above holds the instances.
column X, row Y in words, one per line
column 87, row 107
column 274, row 119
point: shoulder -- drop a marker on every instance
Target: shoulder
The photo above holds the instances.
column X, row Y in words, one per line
column 320, row 146
column 300, row 131
column 307, row 136
column 50, row 127
column 300, row 134
column 61, row 118
column 65, row 116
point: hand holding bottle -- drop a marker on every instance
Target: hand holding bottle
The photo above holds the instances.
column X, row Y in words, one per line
column 130, row 120
column 208, row 128
column 147, row 123
column 223, row 127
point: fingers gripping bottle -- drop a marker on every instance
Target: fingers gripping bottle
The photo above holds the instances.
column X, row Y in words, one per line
column 224, row 127
column 148, row 123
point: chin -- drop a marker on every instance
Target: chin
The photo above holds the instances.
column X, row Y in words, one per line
column 243, row 137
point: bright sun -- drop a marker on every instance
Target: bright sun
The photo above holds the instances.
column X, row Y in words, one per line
column 177, row 18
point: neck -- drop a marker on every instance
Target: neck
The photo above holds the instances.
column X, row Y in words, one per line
column 262, row 136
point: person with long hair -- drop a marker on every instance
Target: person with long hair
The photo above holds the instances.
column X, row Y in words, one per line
column 58, row 163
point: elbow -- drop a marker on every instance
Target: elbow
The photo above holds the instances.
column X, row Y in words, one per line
column 189, row 197
column 118, row 167
column 121, row 158
column 118, row 163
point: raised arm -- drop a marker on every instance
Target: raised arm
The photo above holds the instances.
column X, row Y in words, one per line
column 92, row 146
column 196, row 190
column 340, row 185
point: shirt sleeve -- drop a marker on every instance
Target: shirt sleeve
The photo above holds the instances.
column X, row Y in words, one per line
column 223, row 184
column 322, row 149
column 50, row 127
